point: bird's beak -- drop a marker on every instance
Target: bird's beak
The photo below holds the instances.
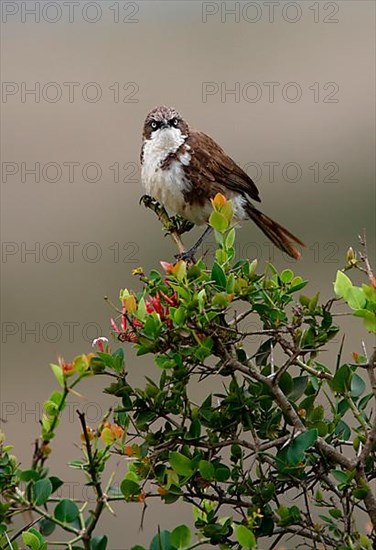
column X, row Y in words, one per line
column 164, row 125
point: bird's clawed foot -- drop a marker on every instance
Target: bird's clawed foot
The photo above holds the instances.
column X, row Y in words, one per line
column 173, row 224
column 151, row 203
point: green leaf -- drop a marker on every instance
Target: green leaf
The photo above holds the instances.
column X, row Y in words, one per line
column 252, row 266
column 245, row 537
column 317, row 414
column 50, row 407
column 220, row 254
column 118, row 360
column 218, row 221
column 46, row 527
column 230, row 285
column 37, row 534
column 343, row 430
column 227, row 211
column 364, row 401
column 180, row 463
column 206, row 470
column 29, row 475
column 365, row 542
column 220, row 300
column 370, row 293
column 296, row 284
column 286, row 383
column 201, row 297
column 230, row 238
column 34, row 540
column 222, row 473
column 66, row 511
column 56, row 482
column 218, row 276
column 342, row 285
column 130, row 488
column 341, row 382
column 99, row 543
column 31, row 540
column 180, row 316
column 369, row 319
column 42, row 490
column 289, row 516
column 299, row 384
column 180, row 271
column 286, row 276
column 56, row 369
column 360, row 493
column 174, row 493
column 181, row 536
column 356, row 298
column 132, row 475
column 56, row 397
column 194, row 430
column 300, row 444
column 335, row 513
column 141, row 310
column 313, row 303
column 342, row 477
column 357, row 386
column 144, row 417
column 162, row 541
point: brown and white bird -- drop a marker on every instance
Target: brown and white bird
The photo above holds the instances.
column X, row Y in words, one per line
column 183, row 169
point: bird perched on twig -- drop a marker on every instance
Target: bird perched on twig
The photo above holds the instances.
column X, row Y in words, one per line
column 183, row 169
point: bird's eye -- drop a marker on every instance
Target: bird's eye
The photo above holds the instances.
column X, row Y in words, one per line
column 175, row 121
column 154, row 125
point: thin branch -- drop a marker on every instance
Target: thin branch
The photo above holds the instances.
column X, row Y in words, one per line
column 92, row 470
column 290, row 361
column 365, row 259
column 371, row 366
column 252, row 372
column 371, row 435
column 306, row 533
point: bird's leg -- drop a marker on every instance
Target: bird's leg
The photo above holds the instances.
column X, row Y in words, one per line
column 168, row 223
column 189, row 254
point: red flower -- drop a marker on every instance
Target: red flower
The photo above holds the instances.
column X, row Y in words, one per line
column 67, row 368
column 114, row 325
column 154, row 304
column 170, row 300
column 126, row 334
column 167, row 266
column 100, row 342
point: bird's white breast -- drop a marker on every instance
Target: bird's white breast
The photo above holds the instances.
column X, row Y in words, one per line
column 165, row 184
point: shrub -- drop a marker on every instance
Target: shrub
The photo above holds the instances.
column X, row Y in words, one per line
column 278, row 423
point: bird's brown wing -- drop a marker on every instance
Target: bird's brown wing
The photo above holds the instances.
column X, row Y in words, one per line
column 212, row 171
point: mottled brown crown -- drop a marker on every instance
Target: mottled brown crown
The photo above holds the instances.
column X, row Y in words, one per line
column 163, row 114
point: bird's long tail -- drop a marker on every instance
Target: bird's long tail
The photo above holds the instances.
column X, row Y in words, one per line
column 278, row 234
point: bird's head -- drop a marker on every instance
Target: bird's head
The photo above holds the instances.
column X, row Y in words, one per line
column 164, row 121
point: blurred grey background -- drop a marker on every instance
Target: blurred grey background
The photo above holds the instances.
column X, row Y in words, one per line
column 288, row 91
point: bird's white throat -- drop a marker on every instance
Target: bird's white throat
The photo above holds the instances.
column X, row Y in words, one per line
column 163, row 142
